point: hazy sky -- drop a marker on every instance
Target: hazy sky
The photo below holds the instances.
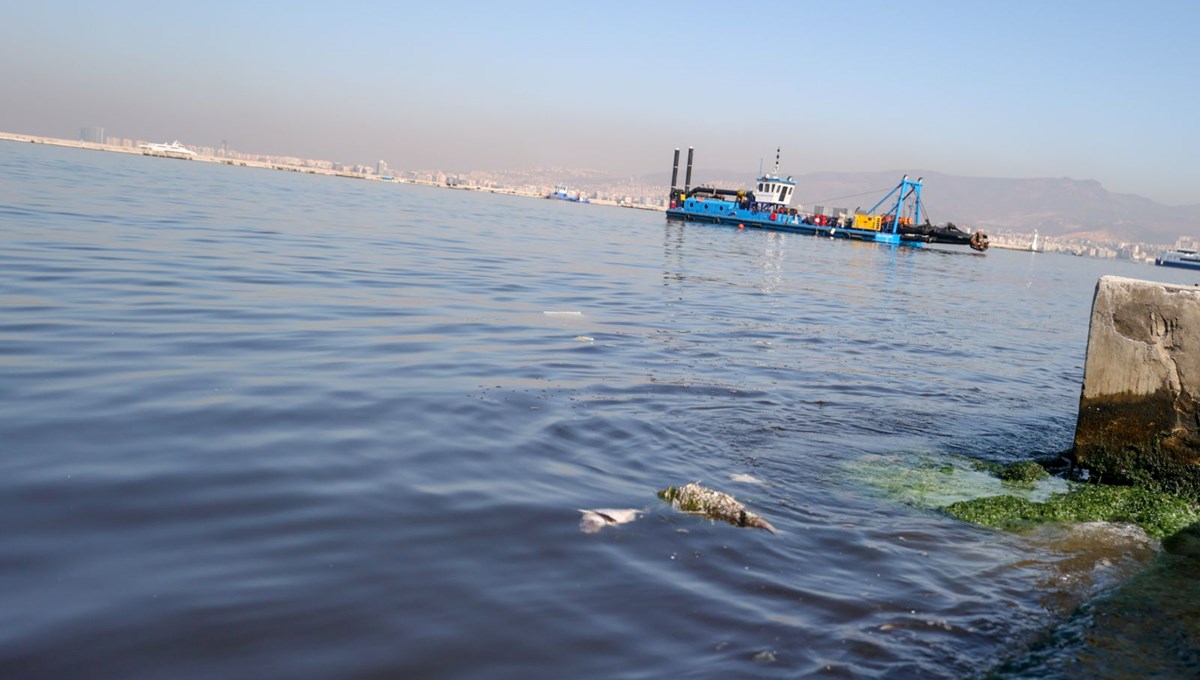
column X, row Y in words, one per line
column 1040, row 88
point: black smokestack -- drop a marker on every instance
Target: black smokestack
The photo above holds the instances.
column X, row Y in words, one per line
column 675, row 169
column 687, row 182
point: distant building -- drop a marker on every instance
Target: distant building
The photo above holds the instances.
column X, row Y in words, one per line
column 381, row 168
column 92, row 134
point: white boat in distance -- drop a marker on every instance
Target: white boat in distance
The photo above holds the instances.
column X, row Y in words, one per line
column 173, row 150
column 1187, row 258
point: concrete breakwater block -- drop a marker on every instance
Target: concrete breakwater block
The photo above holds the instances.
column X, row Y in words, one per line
column 1139, row 416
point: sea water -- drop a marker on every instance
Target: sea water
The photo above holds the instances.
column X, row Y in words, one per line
column 270, row 424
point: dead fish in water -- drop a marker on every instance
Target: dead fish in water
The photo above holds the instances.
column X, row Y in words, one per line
column 692, row 497
column 595, row 520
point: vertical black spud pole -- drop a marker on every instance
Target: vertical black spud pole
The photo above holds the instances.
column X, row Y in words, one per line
column 675, row 170
column 687, row 181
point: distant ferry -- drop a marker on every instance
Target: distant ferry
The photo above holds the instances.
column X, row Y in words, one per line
column 1181, row 257
column 560, row 193
column 767, row 206
column 172, row 150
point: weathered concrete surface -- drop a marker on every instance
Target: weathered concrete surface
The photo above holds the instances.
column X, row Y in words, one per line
column 1139, row 417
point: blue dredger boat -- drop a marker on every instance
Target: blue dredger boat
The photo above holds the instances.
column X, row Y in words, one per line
column 768, row 206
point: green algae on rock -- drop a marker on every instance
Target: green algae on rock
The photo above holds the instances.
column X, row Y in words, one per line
column 692, row 497
column 1159, row 514
column 1023, row 472
column 1157, row 464
column 1019, row 495
column 933, row 480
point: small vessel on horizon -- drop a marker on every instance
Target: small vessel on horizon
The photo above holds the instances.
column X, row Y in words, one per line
column 172, row 150
column 1186, row 258
column 562, row 194
column 767, row 206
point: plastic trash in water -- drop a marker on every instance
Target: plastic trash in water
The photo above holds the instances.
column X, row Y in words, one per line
column 745, row 479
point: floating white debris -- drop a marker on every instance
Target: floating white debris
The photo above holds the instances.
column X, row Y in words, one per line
column 563, row 313
column 745, row 479
column 767, row 656
column 584, row 338
column 595, row 520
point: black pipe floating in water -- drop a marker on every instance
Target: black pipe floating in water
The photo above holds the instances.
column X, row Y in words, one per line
column 687, row 182
column 675, row 169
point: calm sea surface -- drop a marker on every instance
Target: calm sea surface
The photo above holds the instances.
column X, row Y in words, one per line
column 263, row 424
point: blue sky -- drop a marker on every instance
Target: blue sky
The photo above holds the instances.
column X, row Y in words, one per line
column 1088, row 90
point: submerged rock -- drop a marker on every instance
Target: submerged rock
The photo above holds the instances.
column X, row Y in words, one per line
column 697, row 499
column 1023, row 472
column 1021, row 495
column 595, row 520
column 1159, row 514
column 934, row 480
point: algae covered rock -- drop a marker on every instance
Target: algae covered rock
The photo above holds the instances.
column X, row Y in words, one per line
column 1023, row 472
column 1185, row 543
column 1160, row 514
column 934, row 480
column 693, row 497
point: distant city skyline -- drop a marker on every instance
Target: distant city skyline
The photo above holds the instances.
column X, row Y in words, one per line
column 1077, row 215
column 1099, row 91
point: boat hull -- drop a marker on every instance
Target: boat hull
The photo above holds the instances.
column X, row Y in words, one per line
column 740, row 217
column 1177, row 263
